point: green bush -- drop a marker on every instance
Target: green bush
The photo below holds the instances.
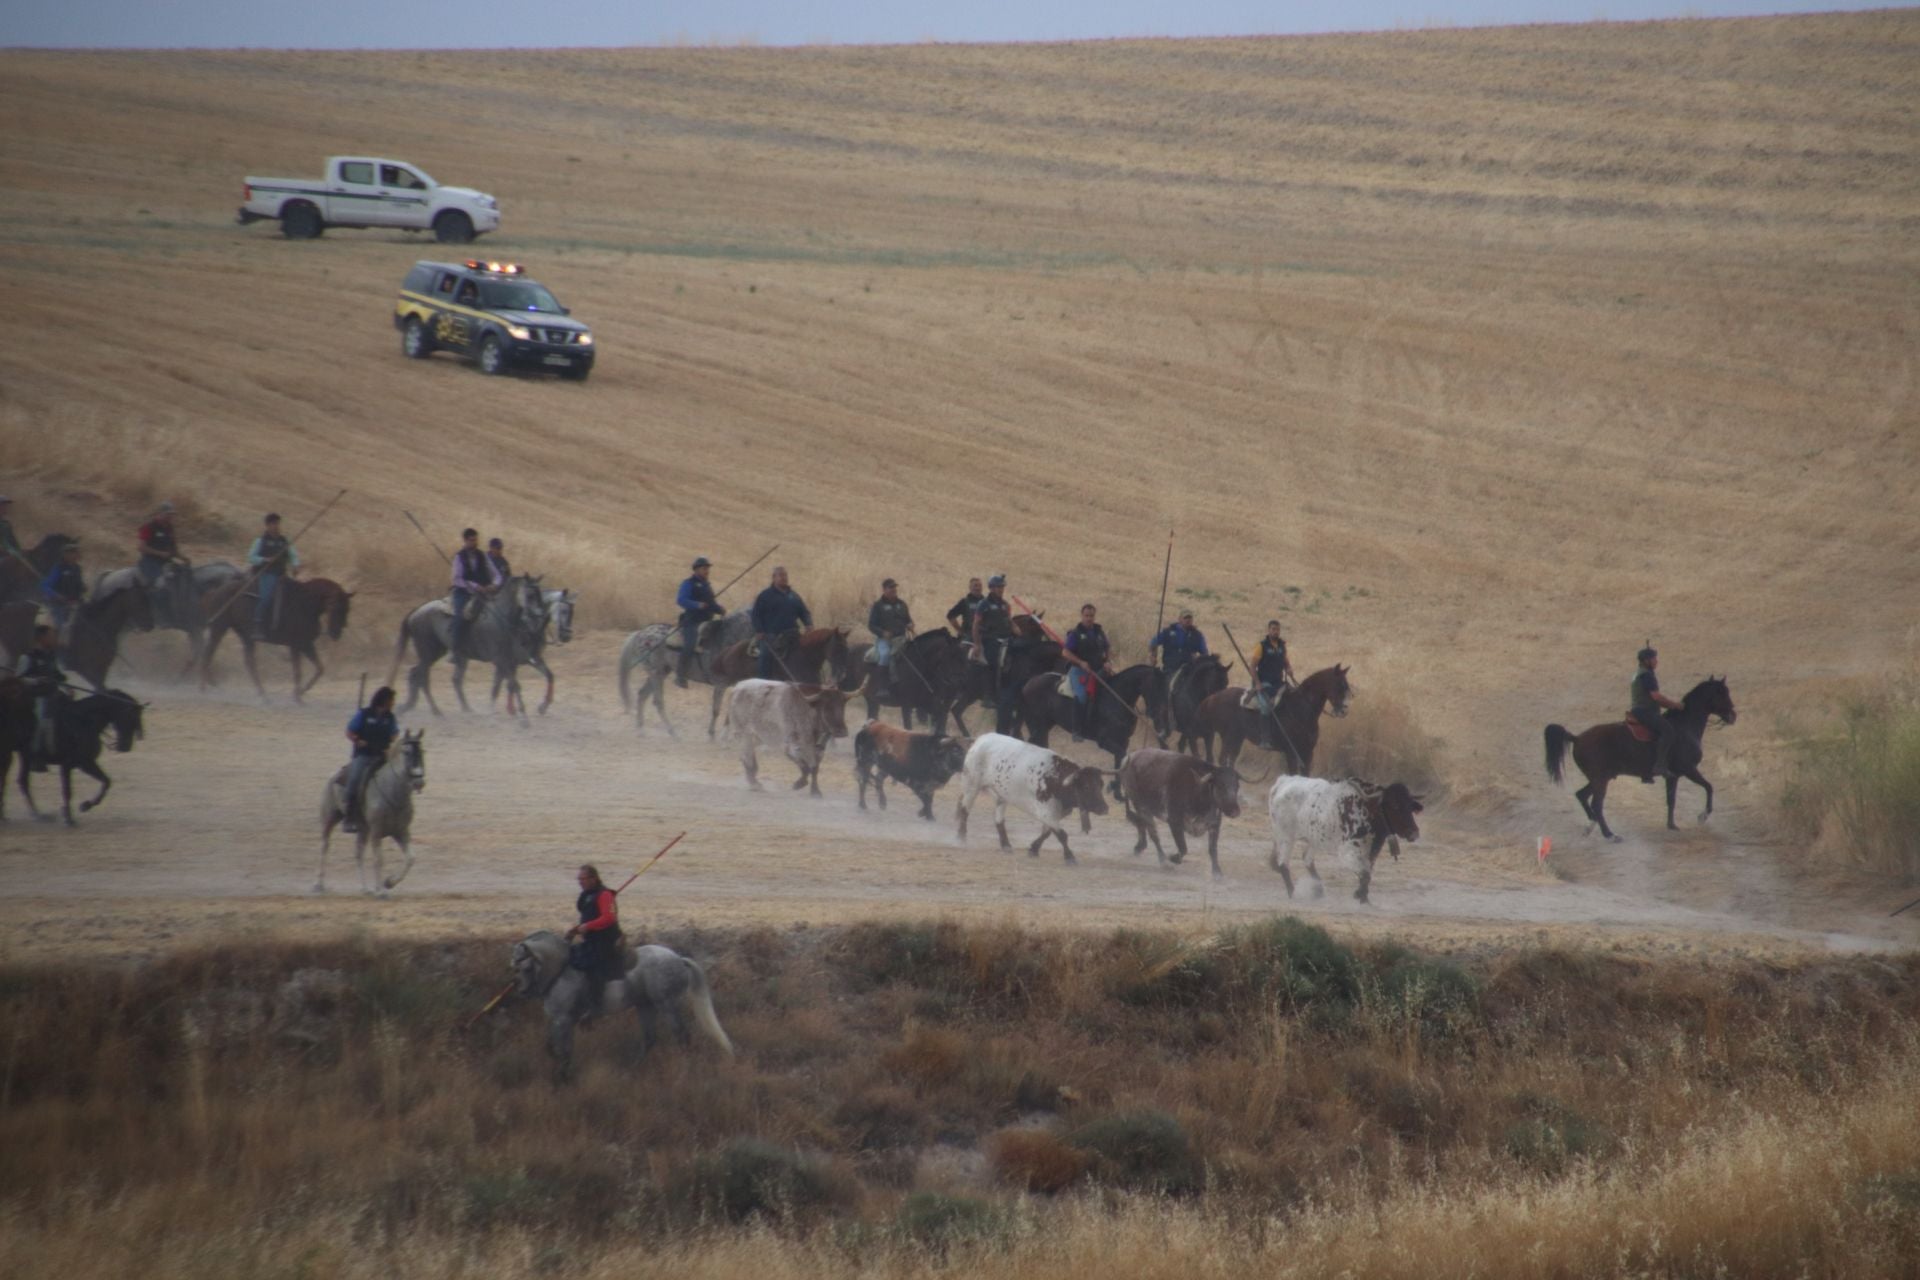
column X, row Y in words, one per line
column 1855, row 792
column 1554, row 1135
column 1432, row 995
column 1300, row 965
column 938, row 1221
column 750, row 1177
column 1142, row 1151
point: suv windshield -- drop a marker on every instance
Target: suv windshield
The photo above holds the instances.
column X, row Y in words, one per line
column 517, row 295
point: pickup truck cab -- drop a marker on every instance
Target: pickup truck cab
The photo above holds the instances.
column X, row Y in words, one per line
column 492, row 314
column 368, row 191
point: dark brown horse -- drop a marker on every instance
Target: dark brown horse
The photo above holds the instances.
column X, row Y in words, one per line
column 93, row 642
column 820, row 650
column 1609, row 751
column 16, row 738
column 1200, row 679
column 21, row 580
column 1299, row 713
column 303, row 609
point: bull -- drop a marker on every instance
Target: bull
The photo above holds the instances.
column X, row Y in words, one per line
column 921, row 762
column 1352, row 818
column 800, row 719
column 1186, row 793
column 1048, row 786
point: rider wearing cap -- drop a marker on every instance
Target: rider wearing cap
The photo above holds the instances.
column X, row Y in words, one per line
column 891, row 623
column 1647, row 702
column 697, row 607
column 64, row 587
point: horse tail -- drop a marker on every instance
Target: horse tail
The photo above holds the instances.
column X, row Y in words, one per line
column 1558, row 740
column 399, row 650
column 626, row 675
column 701, row 997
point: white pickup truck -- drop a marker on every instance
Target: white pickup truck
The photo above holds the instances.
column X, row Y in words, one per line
column 367, row 191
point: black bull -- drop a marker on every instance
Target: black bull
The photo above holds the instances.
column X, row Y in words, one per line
column 921, row 762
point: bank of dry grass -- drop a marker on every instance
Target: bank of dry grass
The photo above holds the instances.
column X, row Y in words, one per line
column 915, row 1097
column 1854, row 791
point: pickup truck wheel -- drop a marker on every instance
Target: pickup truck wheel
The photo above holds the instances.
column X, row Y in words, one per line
column 415, row 342
column 301, row 222
column 453, row 227
column 493, row 355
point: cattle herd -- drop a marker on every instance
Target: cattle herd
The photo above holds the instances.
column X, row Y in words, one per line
column 1350, row 819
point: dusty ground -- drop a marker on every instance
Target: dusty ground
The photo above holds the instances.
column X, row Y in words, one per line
column 1478, row 357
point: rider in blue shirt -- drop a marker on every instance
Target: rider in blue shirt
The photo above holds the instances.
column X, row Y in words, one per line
column 372, row 730
column 778, row 615
column 697, row 607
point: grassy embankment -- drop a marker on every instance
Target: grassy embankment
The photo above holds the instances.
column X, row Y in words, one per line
column 918, row 1098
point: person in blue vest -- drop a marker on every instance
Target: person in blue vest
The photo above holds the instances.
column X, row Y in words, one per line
column 371, row 731
column 1645, row 711
column 272, row 556
column 697, row 608
column 1089, row 653
column 64, row 587
column 778, row 615
column 473, row 579
column 1178, row 643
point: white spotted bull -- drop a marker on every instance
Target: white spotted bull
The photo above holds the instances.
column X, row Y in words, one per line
column 1046, row 785
column 800, row 719
column 1351, row 817
column 1188, row 794
column 921, row 762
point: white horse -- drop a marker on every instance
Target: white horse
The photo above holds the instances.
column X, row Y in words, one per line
column 388, row 805
column 658, row 978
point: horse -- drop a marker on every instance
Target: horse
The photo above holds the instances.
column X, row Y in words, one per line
column 511, row 626
column 93, row 638
column 819, row 652
column 1034, row 653
column 388, row 805
column 560, row 602
column 1299, row 712
column 16, row 739
column 657, row 978
column 1203, row 676
column 76, row 743
column 930, row 673
column 1045, row 703
column 648, row 647
column 301, row 609
column 1608, row 751
column 181, row 591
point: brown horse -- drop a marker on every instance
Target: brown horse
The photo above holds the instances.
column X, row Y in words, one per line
column 304, row 607
column 822, row 648
column 1299, row 713
column 1609, row 751
column 1202, row 677
column 93, row 641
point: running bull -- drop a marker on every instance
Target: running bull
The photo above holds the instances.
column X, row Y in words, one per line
column 921, row 762
column 1188, row 794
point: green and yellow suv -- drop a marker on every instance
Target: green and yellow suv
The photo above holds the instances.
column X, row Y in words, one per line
column 492, row 314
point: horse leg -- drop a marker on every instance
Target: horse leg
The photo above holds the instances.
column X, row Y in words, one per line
column 813, row 777
column 66, row 792
column 516, row 701
column 253, row 669
column 713, row 716
column 540, row 665
column 406, row 852
column 1673, row 791
column 93, row 770
column 1699, row 779
column 205, row 655
column 1600, row 809
column 966, row 802
column 327, row 825
column 460, row 684
column 360, row 858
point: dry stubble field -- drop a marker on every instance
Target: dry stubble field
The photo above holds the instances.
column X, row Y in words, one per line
column 1483, row 355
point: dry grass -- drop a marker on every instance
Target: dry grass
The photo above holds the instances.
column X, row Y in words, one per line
column 1854, row 794
column 217, row 1112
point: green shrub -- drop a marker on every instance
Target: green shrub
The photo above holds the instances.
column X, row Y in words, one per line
column 1300, row 965
column 1142, row 1151
column 1554, row 1135
column 1855, row 793
column 1432, row 995
column 938, row 1221
column 750, row 1177
column 1157, row 970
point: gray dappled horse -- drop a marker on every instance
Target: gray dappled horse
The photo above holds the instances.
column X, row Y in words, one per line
column 560, row 602
column 389, row 808
column 509, row 631
column 658, row 978
column 176, row 605
column 649, row 647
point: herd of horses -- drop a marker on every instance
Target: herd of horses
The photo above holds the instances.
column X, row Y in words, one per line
column 934, row 677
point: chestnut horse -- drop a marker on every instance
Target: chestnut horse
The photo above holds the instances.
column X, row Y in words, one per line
column 1609, row 751
column 304, row 606
column 1299, row 712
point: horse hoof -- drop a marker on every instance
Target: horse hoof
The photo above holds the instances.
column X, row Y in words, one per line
column 86, row 806
column 389, row 884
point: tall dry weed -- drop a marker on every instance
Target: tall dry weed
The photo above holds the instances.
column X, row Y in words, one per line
column 1854, row 794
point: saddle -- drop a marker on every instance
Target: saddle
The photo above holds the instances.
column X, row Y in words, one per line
column 1639, row 731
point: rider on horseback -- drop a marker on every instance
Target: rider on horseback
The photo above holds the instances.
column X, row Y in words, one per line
column 1272, row 673
column 371, row 731
column 778, row 615
column 39, row 669
column 271, row 555
column 960, row 617
column 1647, row 702
column 596, row 952
column 497, row 560
column 891, row 623
column 1178, row 643
column 64, row 588
column 159, row 552
column 697, row 608
column 473, row 579
column 992, row 629
column 1090, row 653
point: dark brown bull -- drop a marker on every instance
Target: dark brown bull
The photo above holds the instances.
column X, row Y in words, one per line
column 1189, row 795
column 921, row 762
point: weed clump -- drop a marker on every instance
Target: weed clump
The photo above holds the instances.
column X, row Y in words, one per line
column 1855, row 791
column 750, row 1178
column 1037, row 1160
column 936, row 1221
column 1141, row 1151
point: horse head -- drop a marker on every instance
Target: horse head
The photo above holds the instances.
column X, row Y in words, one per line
column 562, row 611
column 413, row 758
column 1332, row 685
column 537, row 961
column 1715, row 696
column 124, row 714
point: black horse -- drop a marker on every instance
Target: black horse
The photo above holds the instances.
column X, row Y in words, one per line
column 20, row 579
column 1609, row 751
column 929, row 674
column 1200, row 679
column 1045, row 704
column 76, row 743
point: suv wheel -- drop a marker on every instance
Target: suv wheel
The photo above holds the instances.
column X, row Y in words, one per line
column 493, row 355
column 453, row 227
column 302, row 222
column 415, row 342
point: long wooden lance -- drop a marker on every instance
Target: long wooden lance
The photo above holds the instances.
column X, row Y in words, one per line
column 1160, row 617
column 429, row 537
column 1272, row 708
column 507, row 990
column 1910, row 906
column 1054, row 636
column 744, row 572
column 254, row 571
